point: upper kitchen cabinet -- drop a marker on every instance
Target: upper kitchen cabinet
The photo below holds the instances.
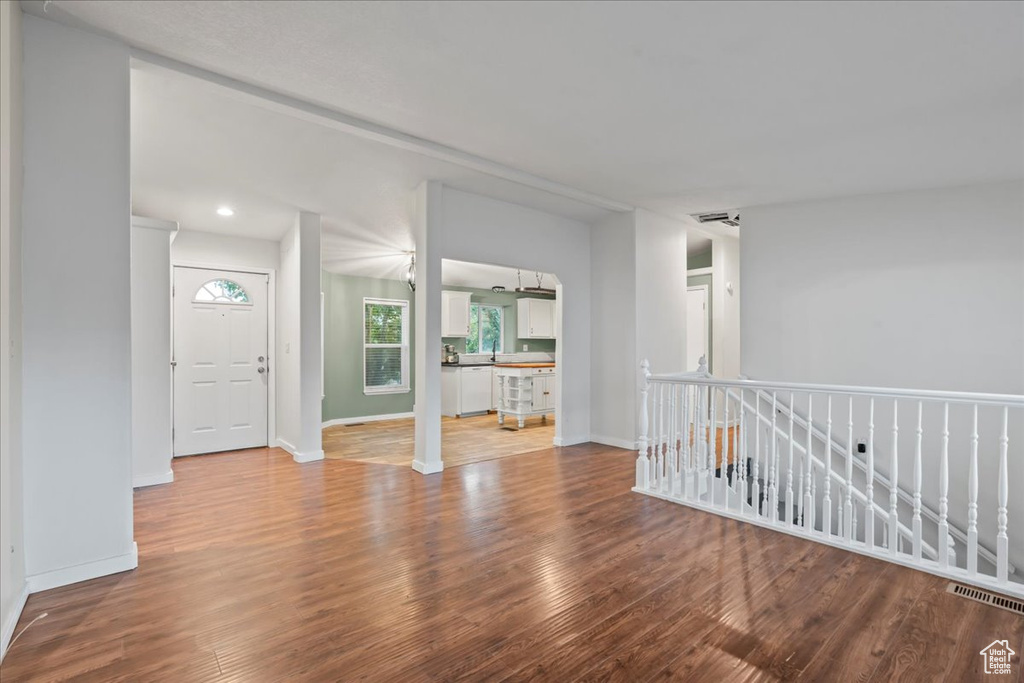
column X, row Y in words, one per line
column 536, row 318
column 454, row 314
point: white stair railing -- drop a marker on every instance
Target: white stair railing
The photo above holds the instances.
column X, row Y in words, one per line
column 938, row 518
column 759, row 464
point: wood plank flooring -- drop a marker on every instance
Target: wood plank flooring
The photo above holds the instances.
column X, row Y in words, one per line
column 464, row 440
column 538, row 567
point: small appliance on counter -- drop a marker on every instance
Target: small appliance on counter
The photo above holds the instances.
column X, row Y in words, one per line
column 450, row 357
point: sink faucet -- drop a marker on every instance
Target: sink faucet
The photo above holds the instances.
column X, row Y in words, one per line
column 494, row 349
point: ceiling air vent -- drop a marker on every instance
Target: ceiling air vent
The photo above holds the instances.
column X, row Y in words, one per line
column 732, row 219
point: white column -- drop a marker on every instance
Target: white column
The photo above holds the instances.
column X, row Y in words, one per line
column 427, row 232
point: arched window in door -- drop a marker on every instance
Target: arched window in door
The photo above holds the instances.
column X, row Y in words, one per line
column 222, row 291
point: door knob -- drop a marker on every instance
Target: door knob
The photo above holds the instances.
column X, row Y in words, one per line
column 260, row 359
column 261, row 370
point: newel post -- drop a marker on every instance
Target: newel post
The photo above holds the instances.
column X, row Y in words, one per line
column 642, row 463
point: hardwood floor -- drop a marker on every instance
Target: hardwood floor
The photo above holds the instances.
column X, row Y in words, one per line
column 464, row 440
column 538, row 567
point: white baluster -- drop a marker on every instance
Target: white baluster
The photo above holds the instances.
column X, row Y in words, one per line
column 894, row 493
column 972, row 501
column 655, row 407
column 826, row 502
column 712, row 444
column 1002, row 540
column 808, row 497
column 744, row 447
column 869, row 488
column 917, row 484
column 944, row 490
column 789, row 465
column 773, row 485
column 642, row 462
column 853, row 522
column 848, row 505
column 686, row 466
column 755, row 494
column 725, row 445
column 673, row 463
column 739, row 481
column 663, row 483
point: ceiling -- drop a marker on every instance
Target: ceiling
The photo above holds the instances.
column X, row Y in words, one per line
column 674, row 107
column 197, row 146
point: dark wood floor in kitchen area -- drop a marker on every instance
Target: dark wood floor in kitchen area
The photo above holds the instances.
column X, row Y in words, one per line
column 540, row 567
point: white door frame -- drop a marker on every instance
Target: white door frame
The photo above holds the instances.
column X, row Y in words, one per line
column 271, row 333
column 707, row 318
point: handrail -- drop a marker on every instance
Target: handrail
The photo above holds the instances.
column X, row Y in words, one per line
column 1014, row 400
column 907, row 498
column 879, row 511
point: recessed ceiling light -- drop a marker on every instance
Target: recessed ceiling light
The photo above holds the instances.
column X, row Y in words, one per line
column 225, row 211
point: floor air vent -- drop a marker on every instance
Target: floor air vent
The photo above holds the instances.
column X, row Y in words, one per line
column 994, row 599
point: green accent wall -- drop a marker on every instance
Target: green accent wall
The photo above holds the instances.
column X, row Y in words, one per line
column 701, row 260
column 696, row 281
column 343, row 347
column 507, row 300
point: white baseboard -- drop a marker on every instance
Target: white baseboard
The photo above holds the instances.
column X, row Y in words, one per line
column 11, row 620
column 297, row 455
column 423, row 468
column 308, row 456
column 152, row 479
column 368, row 418
column 569, row 441
column 613, row 441
column 84, row 572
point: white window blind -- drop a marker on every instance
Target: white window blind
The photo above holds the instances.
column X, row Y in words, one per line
column 385, row 346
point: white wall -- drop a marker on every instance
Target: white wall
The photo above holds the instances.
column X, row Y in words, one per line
column 913, row 289
column 613, row 338
column 299, row 361
column 918, row 289
column 725, row 309
column 660, row 292
column 483, row 230
column 12, row 552
column 151, row 352
column 226, row 251
column 77, row 310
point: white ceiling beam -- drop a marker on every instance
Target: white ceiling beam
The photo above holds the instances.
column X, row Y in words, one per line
column 274, row 101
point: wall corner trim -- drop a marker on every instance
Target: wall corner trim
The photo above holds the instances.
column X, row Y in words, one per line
column 569, row 441
column 84, row 572
column 152, row 479
column 12, row 620
column 423, row 468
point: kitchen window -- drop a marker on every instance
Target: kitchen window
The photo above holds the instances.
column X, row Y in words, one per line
column 486, row 326
column 385, row 346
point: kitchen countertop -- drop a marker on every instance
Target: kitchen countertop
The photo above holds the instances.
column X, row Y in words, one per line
column 466, row 365
column 524, row 365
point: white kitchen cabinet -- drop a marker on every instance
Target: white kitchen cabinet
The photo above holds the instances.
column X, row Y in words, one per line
column 454, row 314
column 475, row 394
column 544, row 393
column 465, row 390
column 535, row 318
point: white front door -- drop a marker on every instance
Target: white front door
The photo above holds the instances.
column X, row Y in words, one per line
column 220, row 360
column 696, row 325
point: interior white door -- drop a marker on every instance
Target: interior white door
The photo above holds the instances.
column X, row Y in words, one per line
column 696, row 326
column 220, row 360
